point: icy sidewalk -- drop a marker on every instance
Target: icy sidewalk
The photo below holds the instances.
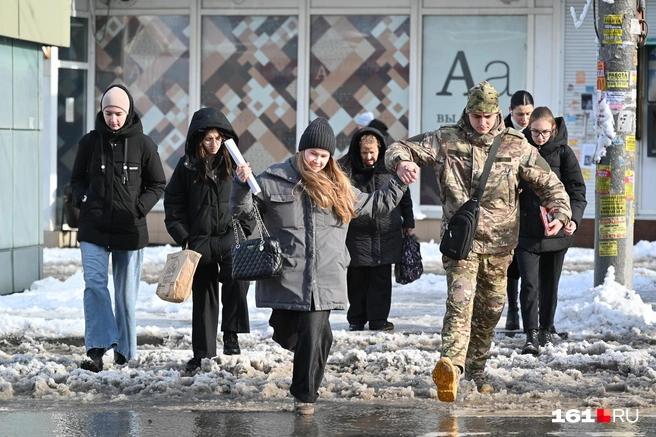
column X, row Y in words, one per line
column 608, row 360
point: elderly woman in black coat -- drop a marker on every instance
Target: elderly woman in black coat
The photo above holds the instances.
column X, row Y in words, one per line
column 374, row 243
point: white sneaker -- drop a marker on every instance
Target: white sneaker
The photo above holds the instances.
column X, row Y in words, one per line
column 303, row 408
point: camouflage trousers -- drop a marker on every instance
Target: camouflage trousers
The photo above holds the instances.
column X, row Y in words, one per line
column 475, row 298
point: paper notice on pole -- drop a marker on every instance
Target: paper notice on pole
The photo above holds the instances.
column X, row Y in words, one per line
column 239, row 159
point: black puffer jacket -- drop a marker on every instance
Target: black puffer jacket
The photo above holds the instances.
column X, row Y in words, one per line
column 113, row 208
column 374, row 241
column 565, row 165
column 197, row 210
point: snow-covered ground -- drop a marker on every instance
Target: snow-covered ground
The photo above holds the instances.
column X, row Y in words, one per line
column 609, row 358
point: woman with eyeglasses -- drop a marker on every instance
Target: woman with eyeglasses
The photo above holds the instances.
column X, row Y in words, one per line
column 521, row 107
column 197, row 216
column 540, row 258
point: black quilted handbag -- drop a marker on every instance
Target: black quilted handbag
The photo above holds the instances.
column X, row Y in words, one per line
column 259, row 258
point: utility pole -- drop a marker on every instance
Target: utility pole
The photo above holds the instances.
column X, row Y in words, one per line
column 619, row 30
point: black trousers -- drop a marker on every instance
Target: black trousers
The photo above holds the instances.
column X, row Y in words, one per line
column 205, row 295
column 512, row 287
column 369, row 294
column 309, row 336
column 538, row 295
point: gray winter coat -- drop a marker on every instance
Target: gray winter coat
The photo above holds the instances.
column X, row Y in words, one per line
column 313, row 240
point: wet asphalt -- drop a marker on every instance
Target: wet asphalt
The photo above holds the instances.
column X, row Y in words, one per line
column 276, row 418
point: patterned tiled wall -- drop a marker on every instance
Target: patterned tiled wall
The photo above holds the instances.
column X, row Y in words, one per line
column 248, row 71
column 360, row 63
column 150, row 56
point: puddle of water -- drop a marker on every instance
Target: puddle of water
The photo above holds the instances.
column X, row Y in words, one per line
column 277, row 419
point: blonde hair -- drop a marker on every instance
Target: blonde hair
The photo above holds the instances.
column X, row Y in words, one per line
column 329, row 188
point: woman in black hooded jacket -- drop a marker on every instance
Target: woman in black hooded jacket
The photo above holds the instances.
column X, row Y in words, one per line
column 540, row 258
column 374, row 244
column 197, row 216
column 116, row 179
column 519, row 114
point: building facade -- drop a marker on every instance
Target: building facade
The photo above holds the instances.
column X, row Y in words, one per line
column 25, row 26
column 272, row 66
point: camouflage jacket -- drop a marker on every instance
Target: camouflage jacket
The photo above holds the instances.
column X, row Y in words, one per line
column 458, row 154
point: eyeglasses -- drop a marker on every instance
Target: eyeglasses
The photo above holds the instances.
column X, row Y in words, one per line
column 209, row 141
column 544, row 133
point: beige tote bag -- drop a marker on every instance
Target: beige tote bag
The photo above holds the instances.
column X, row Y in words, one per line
column 175, row 281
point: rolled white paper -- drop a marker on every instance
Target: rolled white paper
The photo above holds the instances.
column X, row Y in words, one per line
column 239, row 159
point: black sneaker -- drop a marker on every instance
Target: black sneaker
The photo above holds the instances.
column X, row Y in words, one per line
column 95, row 362
column 230, row 343
column 512, row 320
column 545, row 338
column 119, row 358
column 193, row 364
column 356, row 327
column 385, row 326
column 531, row 346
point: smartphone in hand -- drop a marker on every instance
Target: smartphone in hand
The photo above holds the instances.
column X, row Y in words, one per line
column 546, row 216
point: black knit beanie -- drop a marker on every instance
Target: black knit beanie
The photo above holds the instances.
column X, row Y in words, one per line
column 318, row 135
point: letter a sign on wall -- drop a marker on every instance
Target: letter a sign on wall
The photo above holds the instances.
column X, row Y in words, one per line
column 459, row 52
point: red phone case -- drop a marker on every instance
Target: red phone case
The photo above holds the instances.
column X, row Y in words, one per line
column 546, row 217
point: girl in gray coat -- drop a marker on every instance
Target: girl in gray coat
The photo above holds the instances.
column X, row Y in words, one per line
column 306, row 203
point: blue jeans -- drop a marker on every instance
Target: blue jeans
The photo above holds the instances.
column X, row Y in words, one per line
column 104, row 328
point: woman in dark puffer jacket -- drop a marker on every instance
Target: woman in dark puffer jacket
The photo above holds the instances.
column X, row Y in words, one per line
column 373, row 243
column 196, row 205
column 117, row 178
column 540, row 258
column 519, row 114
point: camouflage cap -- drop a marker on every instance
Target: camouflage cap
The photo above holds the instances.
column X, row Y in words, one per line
column 482, row 98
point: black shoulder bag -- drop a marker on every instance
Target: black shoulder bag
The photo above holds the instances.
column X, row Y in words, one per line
column 460, row 231
column 259, row 258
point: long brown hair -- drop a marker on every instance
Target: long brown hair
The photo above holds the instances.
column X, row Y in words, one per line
column 544, row 113
column 222, row 161
column 329, row 188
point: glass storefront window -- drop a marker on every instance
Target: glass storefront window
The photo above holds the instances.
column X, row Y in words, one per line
column 71, row 122
column 360, row 63
column 459, row 52
column 78, row 50
column 150, row 56
column 651, row 74
column 248, row 71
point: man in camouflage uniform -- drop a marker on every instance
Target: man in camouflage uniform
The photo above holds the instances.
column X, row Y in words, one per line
column 477, row 285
